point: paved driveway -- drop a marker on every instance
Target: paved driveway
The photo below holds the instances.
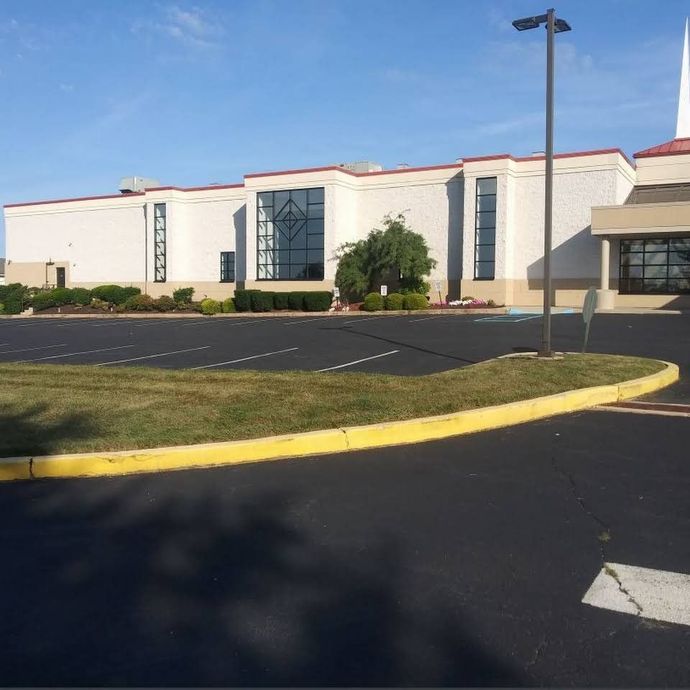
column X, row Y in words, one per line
column 407, row 345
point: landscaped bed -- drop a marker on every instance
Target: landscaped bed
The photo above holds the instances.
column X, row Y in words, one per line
column 60, row 409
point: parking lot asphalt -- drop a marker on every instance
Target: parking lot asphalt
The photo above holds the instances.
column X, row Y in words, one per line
column 412, row 344
column 458, row 562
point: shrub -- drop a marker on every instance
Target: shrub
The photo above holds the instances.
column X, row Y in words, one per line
column 183, row 295
column 243, row 299
column 491, row 303
column 128, row 292
column 81, row 296
column 296, row 300
column 317, row 301
column 61, row 296
column 99, row 304
column 261, row 301
column 280, row 300
column 373, row 302
column 140, row 303
column 14, row 297
column 210, row 306
column 165, row 303
column 394, row 301
column 415, row 301
column 43, row 300
column 115, row 294
column 229, row 306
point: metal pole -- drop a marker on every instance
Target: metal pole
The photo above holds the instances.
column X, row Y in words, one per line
column 548, row 185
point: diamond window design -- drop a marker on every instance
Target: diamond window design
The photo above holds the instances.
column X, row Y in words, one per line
column 290, row 232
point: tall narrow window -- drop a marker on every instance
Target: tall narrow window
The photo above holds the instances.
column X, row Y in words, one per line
column 227, row 267
column 159, row 274
column 290, row 234
column 485, row 229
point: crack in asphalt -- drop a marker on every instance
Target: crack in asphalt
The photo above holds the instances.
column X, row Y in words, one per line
column 603, row 537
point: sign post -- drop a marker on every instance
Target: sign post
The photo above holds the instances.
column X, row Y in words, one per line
column 588, row 309
column 336, row 294
column 437, row 285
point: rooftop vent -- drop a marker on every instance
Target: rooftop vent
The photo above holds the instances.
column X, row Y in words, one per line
column 402, row 166
column 362, row 166
column 137, row 184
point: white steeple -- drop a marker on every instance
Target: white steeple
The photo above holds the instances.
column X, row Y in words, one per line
column 683, row 122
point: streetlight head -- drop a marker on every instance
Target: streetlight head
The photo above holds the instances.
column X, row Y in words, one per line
column 529, row 22
column 561, row 25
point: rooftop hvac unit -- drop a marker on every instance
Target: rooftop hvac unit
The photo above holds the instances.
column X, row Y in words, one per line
column 362, row 166
column 137, row 184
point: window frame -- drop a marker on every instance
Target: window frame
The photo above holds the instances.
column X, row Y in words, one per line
column 160, row 225
column 650, row 246
column 267, row 234
column 477, row 228
column 227, row 267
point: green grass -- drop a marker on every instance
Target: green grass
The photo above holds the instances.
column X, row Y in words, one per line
column 53, row 409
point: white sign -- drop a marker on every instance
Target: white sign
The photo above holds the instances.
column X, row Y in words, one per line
column 384, row 290
column 437, row 285
column 336, row 292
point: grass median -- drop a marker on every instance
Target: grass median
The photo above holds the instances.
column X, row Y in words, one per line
column 48, row 409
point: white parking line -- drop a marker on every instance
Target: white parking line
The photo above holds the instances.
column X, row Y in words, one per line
column 358, row 361
column 245, row 359
column 29, row 349
column 158, row 354
column 427, row 318
column 84, row 352
column 218, row 321
column 313, row 318
column 656, row 594
column 365, row 319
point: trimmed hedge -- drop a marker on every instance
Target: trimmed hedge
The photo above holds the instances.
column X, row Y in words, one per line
column 243, row 299
column 373, row 302
column 415, row 301
column 296, row 300
column 229, row 306
column 114, row 294
column 183, row 295
column 210, row 306
column 280, row 300
column 317, row 301
column 394, row 301
column 261, row 301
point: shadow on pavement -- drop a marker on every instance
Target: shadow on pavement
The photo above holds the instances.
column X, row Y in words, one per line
column 112, row 583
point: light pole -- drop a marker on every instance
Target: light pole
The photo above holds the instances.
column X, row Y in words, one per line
column 553, row 26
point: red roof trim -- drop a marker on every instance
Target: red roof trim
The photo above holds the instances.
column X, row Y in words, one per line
column 675, row 147
column 571, row 154
column 80, row 198
column 195, row 189
column 445, row 166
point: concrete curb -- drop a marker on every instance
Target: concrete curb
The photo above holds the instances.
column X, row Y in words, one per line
column 332, row 440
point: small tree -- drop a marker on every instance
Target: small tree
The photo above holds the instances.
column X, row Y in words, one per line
column 395, row 256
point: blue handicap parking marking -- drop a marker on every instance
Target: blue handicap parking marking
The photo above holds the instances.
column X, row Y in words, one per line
column 507, row 318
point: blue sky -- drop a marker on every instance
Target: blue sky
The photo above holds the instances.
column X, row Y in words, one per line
column 205, row 91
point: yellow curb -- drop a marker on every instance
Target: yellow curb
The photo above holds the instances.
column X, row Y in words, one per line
column 332, row 440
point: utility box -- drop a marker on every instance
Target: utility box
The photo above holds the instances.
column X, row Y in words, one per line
column 137, row 184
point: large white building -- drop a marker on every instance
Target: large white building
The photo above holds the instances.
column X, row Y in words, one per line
column 619, row 225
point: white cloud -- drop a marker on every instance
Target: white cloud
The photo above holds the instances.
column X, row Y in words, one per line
column 192, row 27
